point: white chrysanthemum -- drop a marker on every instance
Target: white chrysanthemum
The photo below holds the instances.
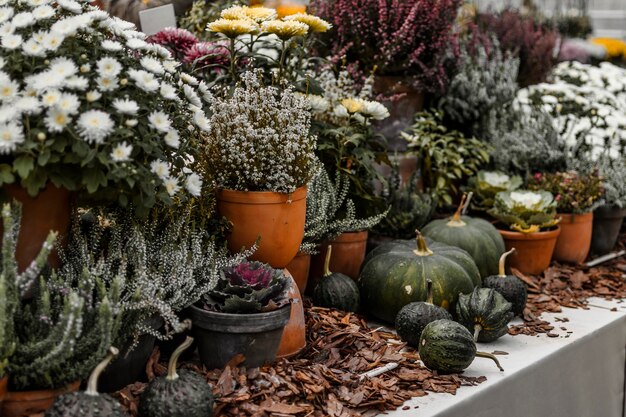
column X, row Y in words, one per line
column 6, row 13
column 160, row 121
column 63, row 67
column 107, row 83
column 160, row 168
column 52, row 41
column 33, row 48
column 39, row 36
column 11, row 135
column 23, row 19
column 56, row 120
column 340, row 111
column 131, row 122
column 35, row 3
column 8, row 89
column 93, row 95
column 121, row 152
column 7, row 29
column 11, row 41
column 192, row 96
column 43, row 81
column 189, row 79
column 168, row 91
column 161, row 51
column 94, row 126
column 375, row 110
column 2, row 62
column 76, row 83
column 170, row 65
column 125, row 106
column 65, row 27
column 201, row 121
column 43, row 12
column 50, row 97
column 135, row 43
column 108, row 67
column 152, row 65
column 172, row 139
column 68, row 103
column 28, row 105
column 70, row 5
column 193, row 184
column 8, row 113
column 112, row 46
column 144, row 80
column 171, row 186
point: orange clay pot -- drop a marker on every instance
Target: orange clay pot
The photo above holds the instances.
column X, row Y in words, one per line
column 533, row 251
column 26, row 403
column 277, row 218
column 348, row 255
column 294, row 334
column 299, row 269
column 575, row 239
column 4, row 382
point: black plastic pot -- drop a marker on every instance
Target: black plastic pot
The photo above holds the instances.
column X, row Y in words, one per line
column 130, row 367
column 221, row 336
column 607, row 222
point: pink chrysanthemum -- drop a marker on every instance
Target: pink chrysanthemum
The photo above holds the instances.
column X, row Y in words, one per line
column 178, row 41
column 207, row 56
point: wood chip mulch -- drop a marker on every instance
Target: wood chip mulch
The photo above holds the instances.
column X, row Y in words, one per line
column 569, row 286
column 324, row 380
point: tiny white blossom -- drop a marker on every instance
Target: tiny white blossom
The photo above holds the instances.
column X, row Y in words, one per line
column 160, row 168
column 160, row 121
column 121, row 152
column 11, row 135
column 94, row 126
column 125, row 106
column 193, row 184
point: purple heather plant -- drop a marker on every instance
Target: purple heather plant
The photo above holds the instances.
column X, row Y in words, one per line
column 407, row 38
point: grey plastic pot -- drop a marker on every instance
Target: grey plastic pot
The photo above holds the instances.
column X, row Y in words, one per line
column 221, row 336
column 607, row 222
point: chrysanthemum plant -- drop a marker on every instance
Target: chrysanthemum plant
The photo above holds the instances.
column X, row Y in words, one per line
column 87, row 104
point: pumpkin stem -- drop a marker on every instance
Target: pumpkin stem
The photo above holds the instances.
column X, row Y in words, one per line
column 490, row 356
column 171, row 366
column 429, row 291
column 422, row 248
column 456, row 221
column 92, row 384
column 327, row 261
column 477, row 329
column 502, row 264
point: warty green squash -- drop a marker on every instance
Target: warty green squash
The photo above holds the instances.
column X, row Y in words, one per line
column 336, row 290
column 510, row 287
column 395, row 273
column 476, row 236
column 484, row 312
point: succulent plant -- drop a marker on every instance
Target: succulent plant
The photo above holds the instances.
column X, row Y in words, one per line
column 525, row 211
column 250, row 287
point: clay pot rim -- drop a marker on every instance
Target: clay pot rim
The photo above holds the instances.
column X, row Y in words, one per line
column 349, row 237
column 545, row 235
column 34, row 395
column 261, row 197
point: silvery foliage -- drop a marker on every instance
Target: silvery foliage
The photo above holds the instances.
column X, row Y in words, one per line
column 613, row 173
column 484, row 87
column 330, row 213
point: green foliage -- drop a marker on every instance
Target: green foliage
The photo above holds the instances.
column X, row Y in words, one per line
column 446, row 157
column 486, row 184
column 201, row 13
column 574, row 192
column 525, row 211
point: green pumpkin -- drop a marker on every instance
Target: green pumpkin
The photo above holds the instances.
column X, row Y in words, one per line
column 413, row 317
column 335, row 290
column 395, row 273
column 485, row 312
column 90, row 403
column 510, row 287
column 476, row 236
column 178, row 394
column 447, row 347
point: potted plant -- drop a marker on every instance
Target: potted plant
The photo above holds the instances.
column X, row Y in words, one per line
column 608, row 218
column 89, row 107
column 576, row 195
column 244, row 313
column 486, row 184
column 260, row 154
column 531, row 227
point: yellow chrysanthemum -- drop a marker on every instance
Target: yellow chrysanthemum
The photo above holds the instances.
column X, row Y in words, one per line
column 353, row 105
column 315, row 23
column 615, row 48
column 233, row 28
column 285, row 30
column 261, row 14
column 235, row 13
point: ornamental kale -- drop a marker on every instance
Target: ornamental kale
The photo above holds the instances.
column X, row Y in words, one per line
column 486, row 184
column 525, row 211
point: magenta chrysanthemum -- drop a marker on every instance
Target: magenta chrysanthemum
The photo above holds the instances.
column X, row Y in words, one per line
column 178, row 41
column 207, row 55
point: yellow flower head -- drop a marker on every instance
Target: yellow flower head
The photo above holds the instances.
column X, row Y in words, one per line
column 285, row 30
column 353, row 105
column 235, row 13
column 257, row 14
column 233, row 28
column 615, row 48
column 315, row 23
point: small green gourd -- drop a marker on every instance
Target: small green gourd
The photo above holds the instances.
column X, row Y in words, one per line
column 336, row 290
column 510, row 287
column 485, row 312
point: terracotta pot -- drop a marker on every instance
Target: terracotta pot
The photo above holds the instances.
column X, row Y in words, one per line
column 26, row 403
column 51, row 209
column 299, row 269
column 533, row 250
column 4, row 382
column 575, row 239
column 347, row 258
column 607, row 221
column 294, row 334
column 401, row 110
column 278, row 219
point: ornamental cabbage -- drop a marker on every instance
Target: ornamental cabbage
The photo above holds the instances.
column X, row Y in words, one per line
column 486, row 184
column 525, row 211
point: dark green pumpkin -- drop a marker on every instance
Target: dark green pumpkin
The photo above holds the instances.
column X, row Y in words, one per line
column 510, row 287
column 335, row 290
column 89, row 403
column 484, row 312
column 395, row 273
column 413, row 317
column 447, row 347
column 178, row 394
column 476, row 236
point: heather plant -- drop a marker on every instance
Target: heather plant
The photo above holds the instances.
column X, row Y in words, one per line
column 329, row 211
column 259, row 139
column 613, row 172
column 532, row 42
column 574, row 192
column 246, row 288
column 398, row 38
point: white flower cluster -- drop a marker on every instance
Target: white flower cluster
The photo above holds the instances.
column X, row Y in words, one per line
column 587, row 106
column 68, row 69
